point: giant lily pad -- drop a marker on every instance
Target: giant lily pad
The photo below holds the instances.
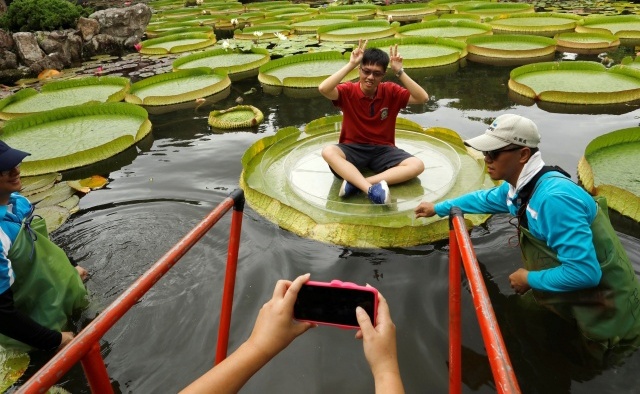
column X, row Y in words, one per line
column 420, row 52
column 444, row 28
column 586, row 43
column 236, row 117
column 13, row 365
column 625, row 27
column 285, row 179
column 360, row 11
column 72, row 137
column 176, row 43
column 406, row 12
column 491, row 9
column 235, row 62
column 304, row 71
column 178, row 87
column 63, row 94
column 578, row 82
column 609, row 168
column 257, row 32
column 354, row 31
column 506, row 49
column 310, row 24
column 542, row 23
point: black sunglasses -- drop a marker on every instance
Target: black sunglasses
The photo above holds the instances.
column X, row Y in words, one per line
column 494, row 154
column 367, row 72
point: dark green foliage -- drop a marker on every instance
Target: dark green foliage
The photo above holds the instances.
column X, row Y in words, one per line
column 46, row 15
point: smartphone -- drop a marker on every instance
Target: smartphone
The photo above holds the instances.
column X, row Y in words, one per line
column 334, row 303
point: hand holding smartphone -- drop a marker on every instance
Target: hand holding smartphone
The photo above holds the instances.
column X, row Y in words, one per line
column 334, row 303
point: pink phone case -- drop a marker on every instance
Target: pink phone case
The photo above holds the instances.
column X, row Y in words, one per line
column 345, row 285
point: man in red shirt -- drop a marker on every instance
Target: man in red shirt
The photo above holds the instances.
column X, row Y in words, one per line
column 370, row 108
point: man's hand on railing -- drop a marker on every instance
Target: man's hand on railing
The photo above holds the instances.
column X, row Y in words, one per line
column 426, row 209
column 67, row 336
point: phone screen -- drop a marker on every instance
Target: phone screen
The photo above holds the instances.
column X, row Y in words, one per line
column 333, row 305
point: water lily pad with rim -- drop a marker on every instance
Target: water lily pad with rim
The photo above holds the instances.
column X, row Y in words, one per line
column 176, row 43
column 609, row 168
column 304, row 71
column 75, row 136
column 286, row 180
column 354, row 31
column 235, row 62
column 310, row 24
column 65, row 93
column 586, row 43
column 625, row 27
column 458, row 29
column 546, row 24
column 491, row 9
column 178, row 87
column 360, row 11
column 257, row 32
column 406, row 12
column 506, row 49
column 578, row 82
column 420, row 52
column 237, row 117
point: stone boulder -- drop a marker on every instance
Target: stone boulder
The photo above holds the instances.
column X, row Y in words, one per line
column 88, row 28
column 67, row 43
column 124, row 23
column 6, row 41
column 27, row 47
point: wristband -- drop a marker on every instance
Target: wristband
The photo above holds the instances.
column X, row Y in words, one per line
column 399, row 73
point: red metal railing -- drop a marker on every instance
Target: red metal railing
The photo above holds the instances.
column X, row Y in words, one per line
column 461, row 253
column 85, row 346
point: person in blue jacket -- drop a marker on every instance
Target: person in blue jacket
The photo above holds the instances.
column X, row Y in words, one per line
column 39, row 287
column 574, row 263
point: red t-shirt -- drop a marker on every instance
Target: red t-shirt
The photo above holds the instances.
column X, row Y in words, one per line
column 370, row 121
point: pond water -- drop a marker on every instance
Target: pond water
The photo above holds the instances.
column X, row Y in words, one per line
column 160, row 189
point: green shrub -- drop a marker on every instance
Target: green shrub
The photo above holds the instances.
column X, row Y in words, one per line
column 46, row 15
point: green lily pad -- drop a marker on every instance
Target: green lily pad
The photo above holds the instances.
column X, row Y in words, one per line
column 305, row 70
column 310, row 24
column 542, row 23
column 176, row 43
column 586, row 43
column 285, row 179
column 260, row 31
column 406, row 12
column 178, row 87
column 235, row 62
column 507, row 49
column 608, row 168
column 72, row 137
column 578, row 82
column 625, row 27
column 445, row 28
column 360, row 11
column 491, row 9
column 420, row 52
column 236, row 117
column 36, row 184
column 60, row 94
column 354, row 31
column 13, row 365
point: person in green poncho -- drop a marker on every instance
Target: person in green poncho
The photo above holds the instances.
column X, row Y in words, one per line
column 39, row 287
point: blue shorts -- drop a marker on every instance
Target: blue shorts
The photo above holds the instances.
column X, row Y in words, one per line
column 377, row 158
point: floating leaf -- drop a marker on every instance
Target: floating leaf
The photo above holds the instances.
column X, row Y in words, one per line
column 13, row 365
column 236, row 117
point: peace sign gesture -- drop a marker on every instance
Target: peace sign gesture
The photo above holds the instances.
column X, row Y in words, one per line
column 395, row 60
column 356, row 54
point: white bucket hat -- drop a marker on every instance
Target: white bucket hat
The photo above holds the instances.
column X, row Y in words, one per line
column 505, row 130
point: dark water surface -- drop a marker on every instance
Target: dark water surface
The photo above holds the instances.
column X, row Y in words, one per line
column 162, row 188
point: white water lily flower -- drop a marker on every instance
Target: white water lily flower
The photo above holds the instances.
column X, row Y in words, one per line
column 280, row 36
column 225, row 44
column 198, row 2
column 234, row 21
column 258, row 34
column 390, row 18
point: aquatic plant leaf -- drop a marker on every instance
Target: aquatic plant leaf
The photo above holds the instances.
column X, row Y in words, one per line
column 54, row 215
column 176, row 43
column 65, row 93
column 13, row 365
column 70, row 137
column 236, row 117
column 505, row 48
column 540, row 23
column 178, row 87
column 586, row 43
column 305, row 70
column 234, row 62
column 445, row 28
column 406, row 12
column 578, row 82
column 354, row 31
column 36, row 184
column 421, row 52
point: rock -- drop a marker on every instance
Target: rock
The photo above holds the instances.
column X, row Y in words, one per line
column 102, row 44
column 124, row 22
column 8, row 77
column 53, row 61
column 3, row 7
column 88, row 28
column 67, row 43
column 6, row 42
column 27, row 47
column 8, row 60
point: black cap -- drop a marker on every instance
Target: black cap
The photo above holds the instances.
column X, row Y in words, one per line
column 9, row 157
